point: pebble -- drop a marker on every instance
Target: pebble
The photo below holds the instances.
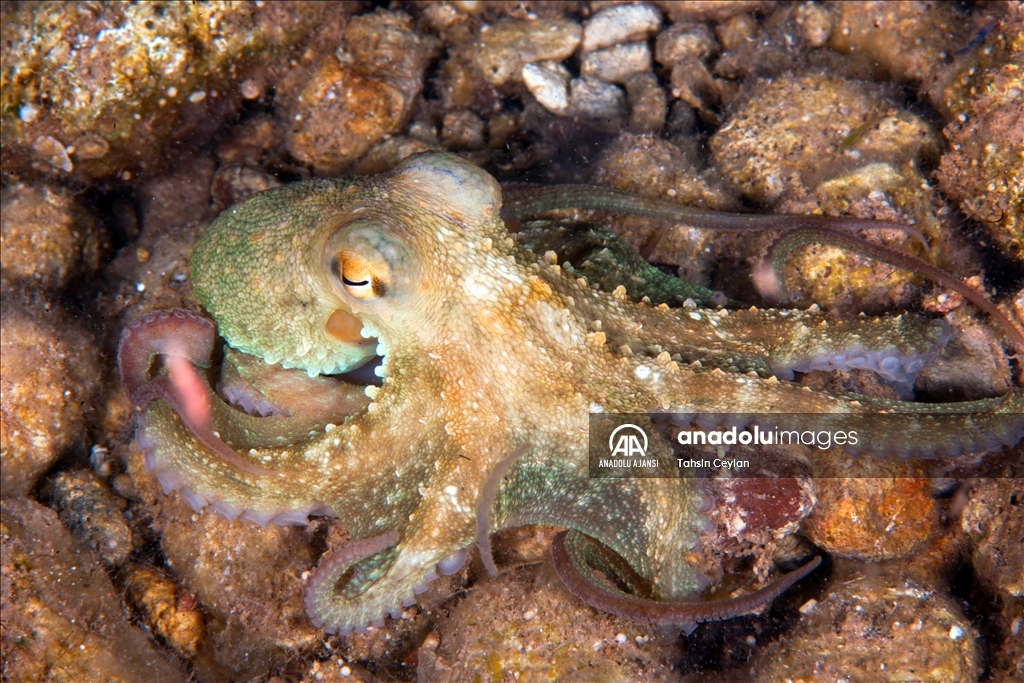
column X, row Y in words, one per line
column 682, row 42
column 617, row 63
column 619, row 24
column 598, row 101
column 509, row 45
column 93, row 514
column 548, row 82
column 647, row 103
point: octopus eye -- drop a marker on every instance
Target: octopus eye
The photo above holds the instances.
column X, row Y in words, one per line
column 359, row 277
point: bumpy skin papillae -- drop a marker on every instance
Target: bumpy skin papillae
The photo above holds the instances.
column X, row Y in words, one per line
column 486, row 350
column 257, row 271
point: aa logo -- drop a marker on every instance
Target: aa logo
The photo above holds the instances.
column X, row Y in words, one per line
column 628, row 443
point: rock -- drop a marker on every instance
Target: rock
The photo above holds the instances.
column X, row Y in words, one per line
column 62, row 618
column 352, row 102
column 597, row 102
column 696, row 11
column 619, row 24
column 994, row 520
column 527, row 626
column 93, row 515
column 904, row 41
column 48, row 238
column 880, row 514
column 102, row 90
column 789, row 135
column 973, row 365
column 50, row 373
column 682, row 42
column 816, row 23
column 617, row 63
column 169, row 611
column 875, row 625
column 983, row 167
column 548, row 82
column 509, row 45
column 647, row 105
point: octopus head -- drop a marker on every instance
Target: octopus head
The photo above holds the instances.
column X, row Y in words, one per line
column 403, row 265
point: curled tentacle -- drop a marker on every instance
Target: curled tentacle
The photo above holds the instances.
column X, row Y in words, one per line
column 269, row 390
column 568, row 553
column 182, row 335
column 320, row 595
column 363, row 581
column 770, row 280
column 200, row 458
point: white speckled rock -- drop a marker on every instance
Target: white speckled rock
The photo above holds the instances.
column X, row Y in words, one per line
column 596, row 100
column 617, row 63
column 549, row 83
column 619, row 24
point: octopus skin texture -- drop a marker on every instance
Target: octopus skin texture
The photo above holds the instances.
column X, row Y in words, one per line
column 493, row 361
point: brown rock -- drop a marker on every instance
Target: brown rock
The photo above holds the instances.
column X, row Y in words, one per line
column 994, row 520
column 63, row 622
column 789, row 135
column 527, row 626
column 875, row 626
column 169, row 611
column 983, row 168
column 93, row 514
column 47, row 237
column 871, row 517
column 50, row 374
column 353, row 101
column 904, row 41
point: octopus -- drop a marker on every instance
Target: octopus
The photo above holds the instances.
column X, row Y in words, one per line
column 493, row 360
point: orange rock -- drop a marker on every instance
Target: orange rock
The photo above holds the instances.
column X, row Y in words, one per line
column 871, row 518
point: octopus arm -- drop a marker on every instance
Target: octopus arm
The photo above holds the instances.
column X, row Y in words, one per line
column 649, row 523
column 900, row 427
column 568, row 551
column 769, row 342
column 194, row 442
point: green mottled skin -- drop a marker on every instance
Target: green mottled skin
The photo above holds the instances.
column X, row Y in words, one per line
column 486, row 350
